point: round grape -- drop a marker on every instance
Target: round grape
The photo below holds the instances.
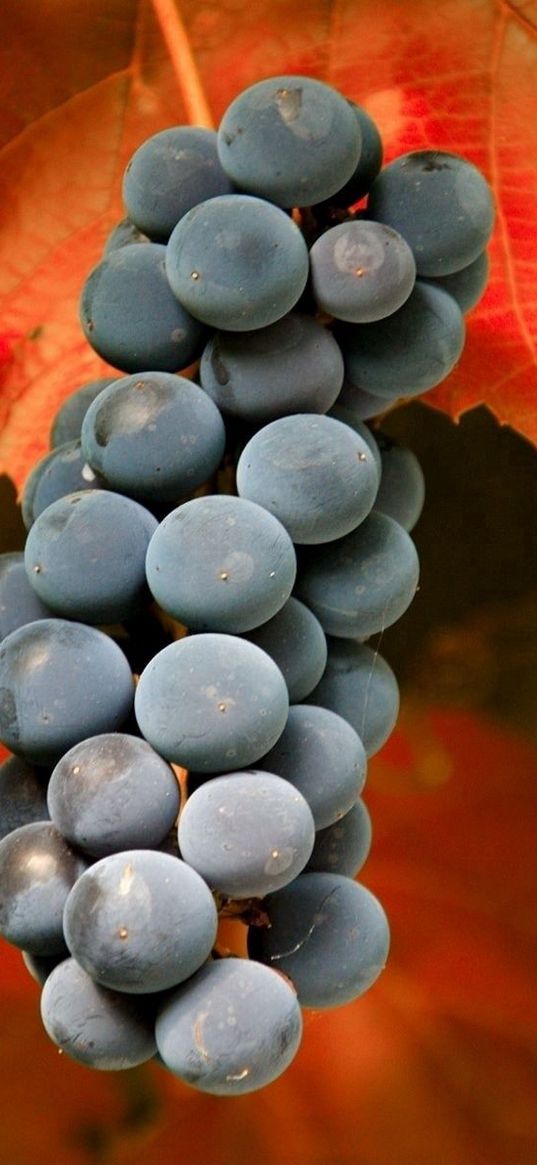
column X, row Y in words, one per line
column 233, row 1028
column 140, row 921
column 60, row 682
column 290, row 139
column 246, row 833
column 221, row 563
column 328, row 934
column 212, row 703
column 155, row 436
column 237, row 263
column 315, row 475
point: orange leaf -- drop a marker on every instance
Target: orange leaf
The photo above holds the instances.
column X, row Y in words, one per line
column 83, row 86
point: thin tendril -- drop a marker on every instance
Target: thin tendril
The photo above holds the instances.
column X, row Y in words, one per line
column 376, row 653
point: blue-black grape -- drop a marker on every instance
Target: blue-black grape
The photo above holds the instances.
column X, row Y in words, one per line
column 233, row 1028
column 328, row 934
column 63, row 471
column 369, row 165
column 237, row 263
column 290, row 139
column 23, row 794
column 313, row 473
column 291, row 366
column 442, row 205
column 402, row 485
column 468, row 284
column 361, row 271
column 67, row 421
column 247, row 833
column 362, row 405
column 342, row 848
column 140, row 921
column 93, row 1025
column 362, row 583
column 359, row 685
column 19, row 603
column 212, row 703
column 410, row 351
column 37, row 871
column 59, row 683
column 155, row 436
column 113, row 792
column 41, row 966
column 131, row 317
column 171, row 172
column 123, row 235
column 296, row 642
column 322, row 756
column 347, row 417
column 221, row 563
column 85, row 556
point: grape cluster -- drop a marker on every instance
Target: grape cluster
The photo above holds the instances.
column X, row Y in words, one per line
column 185, row 682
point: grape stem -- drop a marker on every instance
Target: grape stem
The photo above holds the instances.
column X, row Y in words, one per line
column 181, row 776
column 183, row 63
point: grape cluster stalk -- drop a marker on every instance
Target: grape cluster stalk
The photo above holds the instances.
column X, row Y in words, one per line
column 213, row 539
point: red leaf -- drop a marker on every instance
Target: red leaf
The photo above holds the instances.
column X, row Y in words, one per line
column 83, row 86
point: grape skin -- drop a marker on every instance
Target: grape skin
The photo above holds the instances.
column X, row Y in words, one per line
column 67, row 421
column 315, row 474
column 154, row 436
column 62, row 471
column 292, row 366
column 363, row 406
column 347, row 417
column 289, row 139
column 402, row 485
column 237, row 263
column 40, row 966
column 328, row 933
column 140, row 921
column 361, row 271
column 363, row 583
column 440, row 203
column 342, row 848
column 19, row 603
column 232, row 1029
column 130, row 316
column 296, row 642
column 246, row 833
column 85, row 556
column 359, row 685
column 171, row 172
column 221, row 563
column 322, row 756
column 113, row 792
column 93, row 1025
column 37, row 871
column 467, row 285
column 60, row 682
column 410, row 351
column 23, row 794
column 211, row 703
column 369, row 165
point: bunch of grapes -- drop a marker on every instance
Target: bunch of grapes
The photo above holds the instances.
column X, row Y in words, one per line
column 185, row 679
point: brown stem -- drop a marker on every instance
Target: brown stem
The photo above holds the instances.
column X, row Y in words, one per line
column 182, row 780
column 183, row 63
